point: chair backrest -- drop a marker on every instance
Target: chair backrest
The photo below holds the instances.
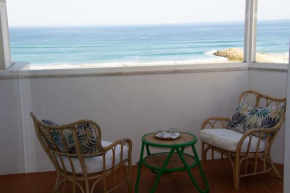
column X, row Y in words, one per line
column 261, row 100
column 75, row 140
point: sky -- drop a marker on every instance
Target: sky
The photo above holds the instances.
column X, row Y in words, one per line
column 136, row 12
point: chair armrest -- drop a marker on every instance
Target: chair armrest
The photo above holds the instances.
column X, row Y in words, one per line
column 213, row 120
column 261, row 132
column 121, row 142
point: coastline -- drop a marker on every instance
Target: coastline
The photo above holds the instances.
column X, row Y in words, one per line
column 220, row 56
column 126, row 64
column 237, row 54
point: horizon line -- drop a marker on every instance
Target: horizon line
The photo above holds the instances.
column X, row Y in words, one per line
column 148, row 24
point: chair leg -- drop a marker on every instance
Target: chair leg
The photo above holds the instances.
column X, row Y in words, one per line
column 237, row 173
column 203, row 157
column 274, row 168
column 129, row 178
column 56, row 186
column 105, row 183
column 87, row 186
column 237, row 183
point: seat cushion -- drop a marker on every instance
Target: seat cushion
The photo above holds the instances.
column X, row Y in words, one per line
column 95, row 164
column 229, row 139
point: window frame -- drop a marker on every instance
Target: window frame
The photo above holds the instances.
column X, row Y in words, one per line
column 250, row 36
column 5, row 55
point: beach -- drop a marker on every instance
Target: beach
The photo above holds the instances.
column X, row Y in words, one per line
column 237, row 54
column 128, row 64
column 220, row 56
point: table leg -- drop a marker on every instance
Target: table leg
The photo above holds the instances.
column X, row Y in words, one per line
column 182, row 149
column 162, row 170
column 200, row 167
column 148, row 150
column 139, row 169
column 189, row 172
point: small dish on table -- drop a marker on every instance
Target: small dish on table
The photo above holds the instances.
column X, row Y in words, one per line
column 172, row 134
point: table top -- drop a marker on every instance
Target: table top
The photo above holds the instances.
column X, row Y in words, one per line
column 185, row 139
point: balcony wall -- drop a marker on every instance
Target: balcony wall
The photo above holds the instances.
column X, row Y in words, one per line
column 124, row 106
column 273, row 83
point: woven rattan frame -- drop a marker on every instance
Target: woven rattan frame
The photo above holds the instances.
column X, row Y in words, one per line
column 63, row 176
column 237, row 157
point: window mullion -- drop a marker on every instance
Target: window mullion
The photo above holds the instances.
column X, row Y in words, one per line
column 5, row 57
column 250, row 31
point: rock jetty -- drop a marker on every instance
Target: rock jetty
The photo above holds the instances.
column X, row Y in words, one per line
column 237, row 54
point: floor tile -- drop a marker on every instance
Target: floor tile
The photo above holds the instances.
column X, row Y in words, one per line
column 9, row 181
column 6, row 190
column 275, row 186
column 26, row 190
column 28, row 180
column 219, row 176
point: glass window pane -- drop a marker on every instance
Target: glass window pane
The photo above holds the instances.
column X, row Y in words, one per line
column 126, row 33
column 273, row 31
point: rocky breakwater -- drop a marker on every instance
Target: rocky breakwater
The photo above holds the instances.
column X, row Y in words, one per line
column 237, row 54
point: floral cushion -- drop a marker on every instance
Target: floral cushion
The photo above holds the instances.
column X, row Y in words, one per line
column 265, row 117
column 242, row 113
column 85, row 133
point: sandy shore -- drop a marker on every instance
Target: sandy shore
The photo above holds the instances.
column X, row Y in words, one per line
column 237, row 54
column 127, row 64
column 222, row 56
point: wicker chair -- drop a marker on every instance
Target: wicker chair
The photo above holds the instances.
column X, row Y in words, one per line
column 77, row 166
column 248, row 145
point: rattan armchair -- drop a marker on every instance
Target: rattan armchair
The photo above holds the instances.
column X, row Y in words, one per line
column 81, row 168
column 243, row 154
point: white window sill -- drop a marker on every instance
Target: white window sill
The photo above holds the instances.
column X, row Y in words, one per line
column 280, row 67
column 22, row 70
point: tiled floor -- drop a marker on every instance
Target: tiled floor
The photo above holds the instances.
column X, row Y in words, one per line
column 218, row 174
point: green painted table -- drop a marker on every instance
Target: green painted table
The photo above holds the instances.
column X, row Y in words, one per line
column 172, row 161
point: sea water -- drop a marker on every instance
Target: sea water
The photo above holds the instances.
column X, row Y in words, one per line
column 150, row 43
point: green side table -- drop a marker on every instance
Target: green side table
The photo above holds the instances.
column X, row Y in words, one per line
column 173, row 161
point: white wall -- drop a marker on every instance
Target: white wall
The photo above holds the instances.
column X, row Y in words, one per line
column 124, row 106
column 273, row 84
column 11, row 140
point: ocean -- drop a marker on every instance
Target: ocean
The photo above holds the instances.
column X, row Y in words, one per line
column 150, row 43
